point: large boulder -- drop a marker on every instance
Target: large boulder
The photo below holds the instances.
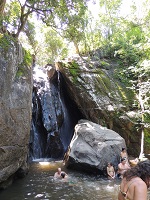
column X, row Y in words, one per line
column 93, row 146
column 15, row 111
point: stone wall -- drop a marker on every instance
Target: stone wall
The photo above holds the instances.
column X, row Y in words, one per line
column 15, row 113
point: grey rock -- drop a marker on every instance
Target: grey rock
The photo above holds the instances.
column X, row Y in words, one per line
column 93, row 146
column 15, row 113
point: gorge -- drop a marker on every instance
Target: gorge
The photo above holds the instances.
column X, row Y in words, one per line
column 74, row 89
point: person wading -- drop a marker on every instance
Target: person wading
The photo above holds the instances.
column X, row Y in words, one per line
column 135, row 182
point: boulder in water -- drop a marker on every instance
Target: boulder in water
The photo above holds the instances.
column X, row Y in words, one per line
column 93, row 146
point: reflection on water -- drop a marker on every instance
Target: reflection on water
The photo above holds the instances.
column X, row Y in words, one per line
column 39, row 184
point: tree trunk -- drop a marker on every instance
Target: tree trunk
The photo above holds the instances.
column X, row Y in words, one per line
column 2, row 6
column 76, row 47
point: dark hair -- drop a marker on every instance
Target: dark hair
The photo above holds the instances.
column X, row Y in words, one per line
column 63, row 175
column 122, row 159
column 110, row 164
column 141, row 170
column 123, row 148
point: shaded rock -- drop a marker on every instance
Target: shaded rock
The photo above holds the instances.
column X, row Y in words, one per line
column 15, row 113
column 93, row 146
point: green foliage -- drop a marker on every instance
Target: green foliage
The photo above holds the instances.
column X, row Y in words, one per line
column 23, row 67
column 147, row 138
column 6, row 41
column 27, row 61
column 30, row 33
column 126, row 42
column 104, row 63
column 69, row 19
column 54, row 46
column 74, row 70
column 147, row 117
column 12, row 13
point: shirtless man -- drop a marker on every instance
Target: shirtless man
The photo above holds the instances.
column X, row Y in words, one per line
column 123, row 153
column 123, row 167
column 58, row 173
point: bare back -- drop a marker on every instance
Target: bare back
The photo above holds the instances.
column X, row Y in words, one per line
column 135, row 189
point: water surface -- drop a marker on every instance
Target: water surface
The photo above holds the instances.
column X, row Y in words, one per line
column 40, row 184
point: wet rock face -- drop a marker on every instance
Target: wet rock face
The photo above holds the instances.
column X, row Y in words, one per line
column 15, row 114
column 53, row 116
column 47, row 118
column 93, row 146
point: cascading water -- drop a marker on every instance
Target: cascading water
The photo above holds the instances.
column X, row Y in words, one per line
column 54, row 116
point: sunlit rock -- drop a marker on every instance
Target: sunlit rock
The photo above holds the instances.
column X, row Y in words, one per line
column 50, row 69
column 93, row 146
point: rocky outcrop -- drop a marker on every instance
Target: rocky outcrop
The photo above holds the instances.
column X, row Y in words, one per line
column 93, row 146
column 15, row 112
column 93, row 86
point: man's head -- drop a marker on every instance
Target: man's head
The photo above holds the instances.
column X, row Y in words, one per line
column 63, row 175
column 59, row 170
column 123, row 160
column 123, row 149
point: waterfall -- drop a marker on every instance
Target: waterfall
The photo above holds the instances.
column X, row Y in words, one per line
column 142, row 130
column 37, row 148
column 54, row 117
column 142, row 146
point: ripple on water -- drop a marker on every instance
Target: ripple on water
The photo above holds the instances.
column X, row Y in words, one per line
column 39, row 184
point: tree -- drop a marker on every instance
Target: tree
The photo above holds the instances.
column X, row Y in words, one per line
column 109, row 18
column 2, row 5
column 31, row 33
column 68, row 12
column 68, row 20
column 53, row 46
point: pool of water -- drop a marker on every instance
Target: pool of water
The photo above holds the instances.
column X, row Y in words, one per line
column 40, row 184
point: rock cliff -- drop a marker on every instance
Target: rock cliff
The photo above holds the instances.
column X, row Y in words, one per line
column 15, row 111
column 99, row 94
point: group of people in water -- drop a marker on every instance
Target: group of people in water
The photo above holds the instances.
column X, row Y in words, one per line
column 122, row 166
column 135, row 181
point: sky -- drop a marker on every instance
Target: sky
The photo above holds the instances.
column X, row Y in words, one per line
column 125, row 8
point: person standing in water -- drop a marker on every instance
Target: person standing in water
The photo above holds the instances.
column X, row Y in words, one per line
column 124, row 154
column 135, row 182
column 123, row 166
